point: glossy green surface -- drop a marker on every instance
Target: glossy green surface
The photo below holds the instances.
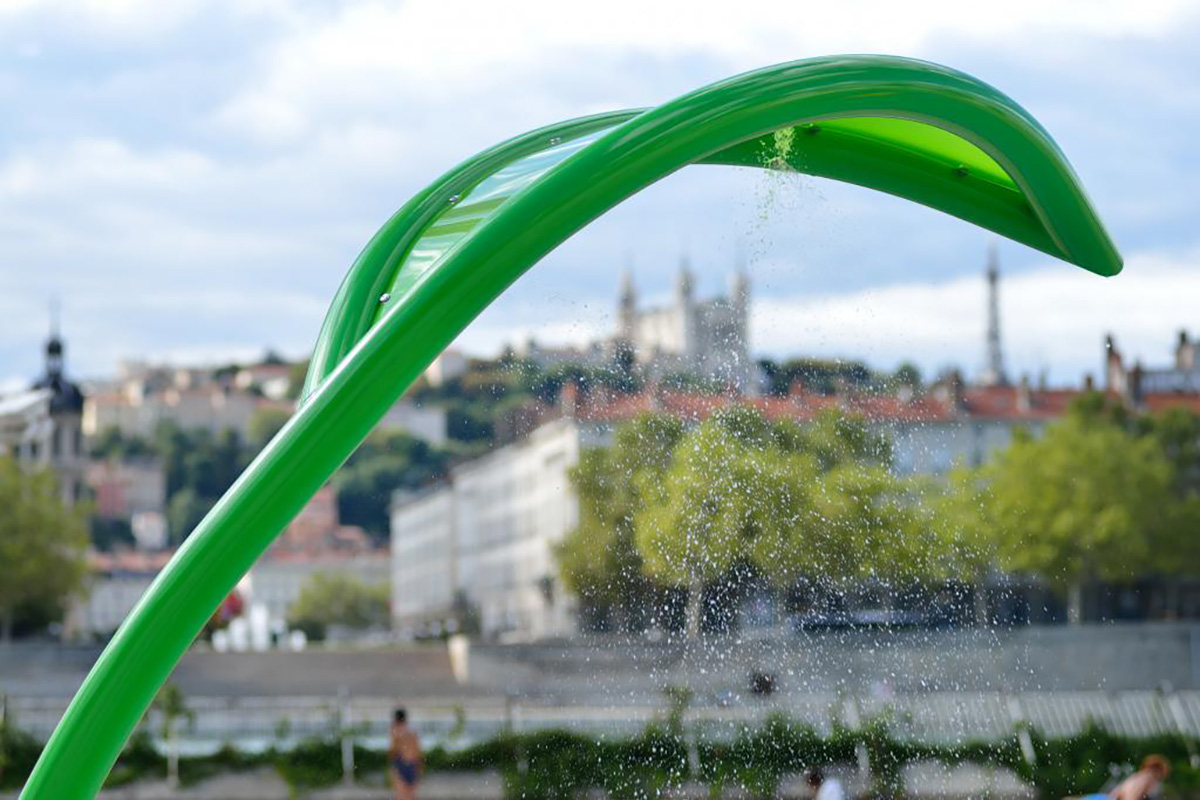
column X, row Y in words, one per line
column 913, row 129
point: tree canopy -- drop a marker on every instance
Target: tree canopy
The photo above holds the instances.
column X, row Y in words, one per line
column 42, row 548
column 335, row 599
column 794, row 501
column 669, row 507
column 599, row 559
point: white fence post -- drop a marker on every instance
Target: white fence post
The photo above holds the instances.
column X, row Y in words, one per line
column 346, row 735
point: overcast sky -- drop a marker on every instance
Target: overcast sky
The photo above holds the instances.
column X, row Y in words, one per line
column 192, row 180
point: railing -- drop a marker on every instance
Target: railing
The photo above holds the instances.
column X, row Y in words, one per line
column 940, row 717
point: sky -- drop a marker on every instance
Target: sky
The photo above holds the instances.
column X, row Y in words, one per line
column 191, row 180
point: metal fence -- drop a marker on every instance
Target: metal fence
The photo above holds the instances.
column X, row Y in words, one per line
column 259, row 722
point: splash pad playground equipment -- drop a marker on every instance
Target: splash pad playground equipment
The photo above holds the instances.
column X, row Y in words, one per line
column 909, row 128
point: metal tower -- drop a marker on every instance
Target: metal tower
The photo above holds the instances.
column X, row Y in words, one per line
column 993, row 373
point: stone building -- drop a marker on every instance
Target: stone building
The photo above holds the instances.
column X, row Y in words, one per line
column 705, row 338
column 709, row 338
column 42, row 426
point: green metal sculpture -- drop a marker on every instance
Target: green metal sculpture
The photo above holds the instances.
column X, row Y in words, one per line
column 909, row 128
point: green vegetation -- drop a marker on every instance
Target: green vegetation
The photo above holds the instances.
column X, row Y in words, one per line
column 1100, row 496
column 665, row 513
column 386, row 461
column 740, row 498
column 42, row 547
column 339, row 600
column 600, row 560
column 558, row 765
column 832, row 376
column 200, row 467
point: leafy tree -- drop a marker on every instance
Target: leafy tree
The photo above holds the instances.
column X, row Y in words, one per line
column 42, row 547
column 907, row 374
column 109, row 534
column 199, row 468
column 111, row 443
column 334, row 599
column 384, row 463
column 1090, row 500
column 263, row 425
column 599, row 559
column 817, row 375
column 692, row 383
column 792, row 501
column 1177, row 433
column 185, row 510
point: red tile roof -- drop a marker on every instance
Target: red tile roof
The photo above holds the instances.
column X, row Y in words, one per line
column 992, row 403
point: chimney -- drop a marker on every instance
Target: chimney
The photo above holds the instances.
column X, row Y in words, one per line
column 1089, row 382
column 949, row 390
column 1024, row 396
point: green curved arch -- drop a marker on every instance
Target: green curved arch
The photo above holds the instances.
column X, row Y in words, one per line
column 909, row 128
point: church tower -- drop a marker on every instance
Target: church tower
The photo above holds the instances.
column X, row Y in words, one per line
column 993, row 373
column 63, row 450
column 685, row 311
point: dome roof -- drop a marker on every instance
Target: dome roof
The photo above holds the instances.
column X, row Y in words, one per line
column 66, row 396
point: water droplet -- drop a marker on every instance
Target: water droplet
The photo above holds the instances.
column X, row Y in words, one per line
column 555, row 140
column 383, row 298
column 453, row 199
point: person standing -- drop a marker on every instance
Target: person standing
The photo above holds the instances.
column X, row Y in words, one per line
column 1145, row 782
column 825, row 788
column 407, row 761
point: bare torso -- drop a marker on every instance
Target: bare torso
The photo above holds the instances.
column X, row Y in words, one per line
column 1137, row 786
column 407, row 762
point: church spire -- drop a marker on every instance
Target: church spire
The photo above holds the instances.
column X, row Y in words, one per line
column 54, row 345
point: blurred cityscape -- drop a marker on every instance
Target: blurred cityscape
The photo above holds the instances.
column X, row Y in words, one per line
column 544, row 540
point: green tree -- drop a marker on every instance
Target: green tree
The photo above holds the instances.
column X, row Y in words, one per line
column 42, row 547
column 791, row 501
column 111, row 443
column 384, row 463
column 110, row 534
column 907, row 374
column 334, row 599
column 184, row 512
column 1089, row 500
column 599, row 560
column 263, row 425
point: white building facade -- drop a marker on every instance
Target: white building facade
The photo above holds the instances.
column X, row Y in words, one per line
column 485, row 541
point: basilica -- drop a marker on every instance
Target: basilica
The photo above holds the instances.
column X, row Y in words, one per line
column 701, row 338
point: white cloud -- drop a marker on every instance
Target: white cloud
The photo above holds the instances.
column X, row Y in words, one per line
column 190, row 156
column 1052, row 318
column 371, row 54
